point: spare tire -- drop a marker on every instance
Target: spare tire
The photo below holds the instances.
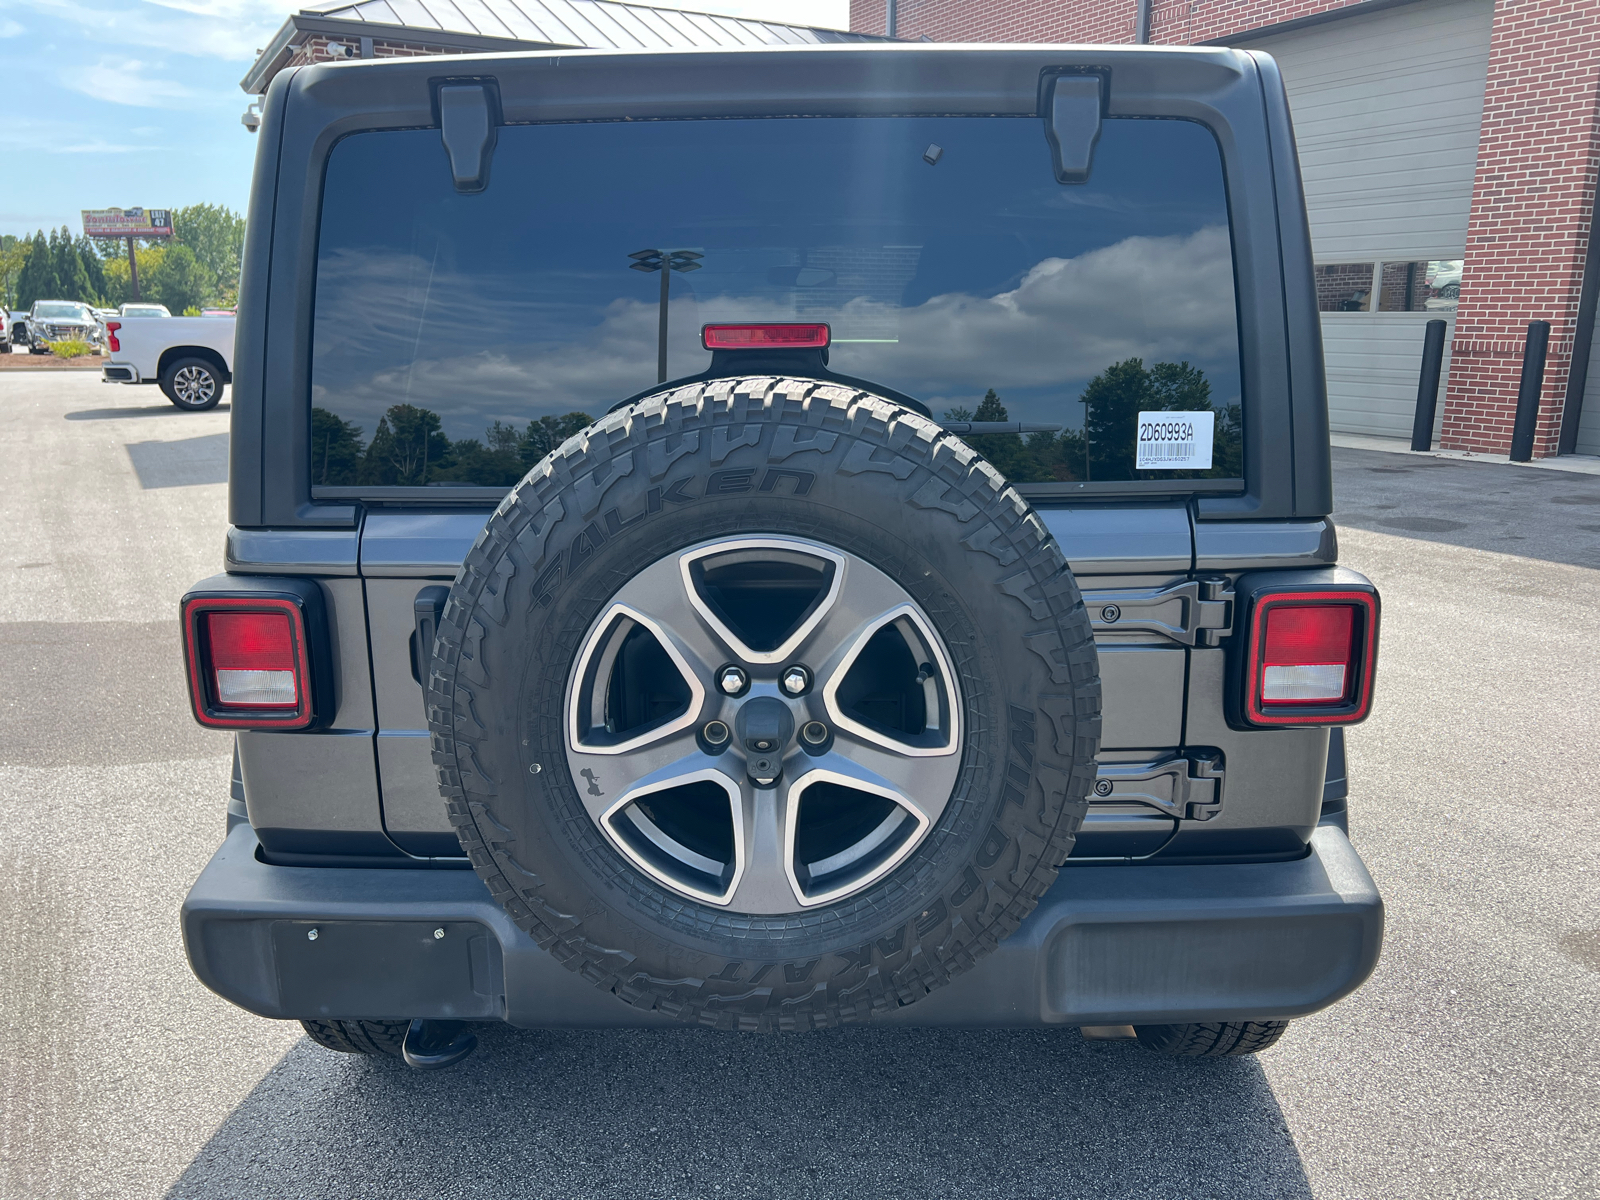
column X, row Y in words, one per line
column 765, row 703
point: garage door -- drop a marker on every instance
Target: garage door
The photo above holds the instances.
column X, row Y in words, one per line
column 1386, row 112
column 1589, row 421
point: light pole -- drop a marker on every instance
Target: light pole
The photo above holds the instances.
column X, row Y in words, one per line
column 672, row 260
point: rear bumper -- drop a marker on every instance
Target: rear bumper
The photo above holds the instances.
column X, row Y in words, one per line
column 116, row 372
column 1107, row 946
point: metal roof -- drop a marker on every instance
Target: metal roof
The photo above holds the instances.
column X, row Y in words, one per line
column 478, row 26
column 591, row 24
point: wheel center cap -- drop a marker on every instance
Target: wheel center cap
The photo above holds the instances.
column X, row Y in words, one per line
column 763, row 726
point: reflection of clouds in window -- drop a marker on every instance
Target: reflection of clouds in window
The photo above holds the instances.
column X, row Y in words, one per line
column 1169, row 297
column 1064, row 320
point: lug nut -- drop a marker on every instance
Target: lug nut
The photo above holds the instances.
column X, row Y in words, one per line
column 814, row 733
column 796, row 680
column 732, row 680
column 715, row 733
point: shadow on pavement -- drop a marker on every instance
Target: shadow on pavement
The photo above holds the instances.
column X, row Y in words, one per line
column 689, row 1113
column 145, row 410
column 184, row 462
column 1550, row 515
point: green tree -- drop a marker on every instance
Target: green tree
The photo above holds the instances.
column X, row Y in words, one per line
column 215, row 233
column 118, row 286
column 13, row 255
column 407, row 450
column 72, row 276
column 95, row 268
column 37, row 279
column 335, row 450
column 178, row 281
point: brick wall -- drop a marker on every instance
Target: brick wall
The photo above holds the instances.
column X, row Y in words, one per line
column 316, row 50
column 1532, row 199
column 1176, row 22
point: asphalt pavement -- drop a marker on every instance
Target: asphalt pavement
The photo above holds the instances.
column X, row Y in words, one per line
column 1467, row 1067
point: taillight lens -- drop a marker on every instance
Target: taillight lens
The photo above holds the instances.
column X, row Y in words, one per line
column 1311, row 658
column 112, row 343
column 247, row 661
column 764, row 337
column 252, row 659
column 1308, row 656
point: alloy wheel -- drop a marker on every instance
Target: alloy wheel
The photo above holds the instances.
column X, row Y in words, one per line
column 764, row 724
column 194, row 386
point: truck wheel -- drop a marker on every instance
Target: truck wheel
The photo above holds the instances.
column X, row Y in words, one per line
column 5, row 347
column 765, row 704
column 1226, row 1040
column 358, row 1037
column 192, row 384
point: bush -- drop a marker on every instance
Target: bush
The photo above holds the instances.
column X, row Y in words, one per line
column 71, row 348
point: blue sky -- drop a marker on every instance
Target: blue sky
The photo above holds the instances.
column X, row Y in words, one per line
column 115, row 103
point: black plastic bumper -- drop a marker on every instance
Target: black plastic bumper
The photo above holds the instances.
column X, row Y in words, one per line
column 1117, row 945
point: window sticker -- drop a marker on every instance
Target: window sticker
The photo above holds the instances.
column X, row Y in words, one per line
column 1175, row 441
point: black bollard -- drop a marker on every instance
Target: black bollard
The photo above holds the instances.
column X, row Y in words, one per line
column 1528, row 390
column 1428, row 386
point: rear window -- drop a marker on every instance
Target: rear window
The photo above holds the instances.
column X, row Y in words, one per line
column 457, row 338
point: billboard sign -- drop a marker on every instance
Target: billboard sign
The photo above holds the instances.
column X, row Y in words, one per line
column 127, row 222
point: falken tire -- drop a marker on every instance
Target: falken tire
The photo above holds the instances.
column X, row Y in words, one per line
column 785, row 458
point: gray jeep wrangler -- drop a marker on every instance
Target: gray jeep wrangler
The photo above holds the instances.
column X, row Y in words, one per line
column 775, row 539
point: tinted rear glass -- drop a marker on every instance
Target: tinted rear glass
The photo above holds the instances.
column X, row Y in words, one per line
column 456, row 336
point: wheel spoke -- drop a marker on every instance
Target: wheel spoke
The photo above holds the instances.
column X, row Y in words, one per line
column 762, row 883
column 919, row 783
column 660, row 591
column 862, row 601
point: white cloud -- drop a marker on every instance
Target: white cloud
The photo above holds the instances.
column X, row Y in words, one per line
column 124, row 82
column 223, row 29
column 9, row 28
column 67, row 137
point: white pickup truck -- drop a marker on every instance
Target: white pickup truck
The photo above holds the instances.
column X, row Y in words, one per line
column 190, row 357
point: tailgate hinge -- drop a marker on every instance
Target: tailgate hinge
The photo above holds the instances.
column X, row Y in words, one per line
column 1188, row 788
column 1196, row 612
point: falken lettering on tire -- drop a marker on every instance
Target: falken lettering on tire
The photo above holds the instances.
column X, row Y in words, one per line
column 959, row 697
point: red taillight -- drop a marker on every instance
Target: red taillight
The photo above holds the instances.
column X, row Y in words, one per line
column 247, row 661
column 764, row 337
column 111, row 336
column 1310, row 658
column 252, row 660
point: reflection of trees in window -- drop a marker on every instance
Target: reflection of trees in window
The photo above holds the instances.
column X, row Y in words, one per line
column 546, row 433
column 406, row 447
column 1114, row 400
column 335, row 450
column 409, row 449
